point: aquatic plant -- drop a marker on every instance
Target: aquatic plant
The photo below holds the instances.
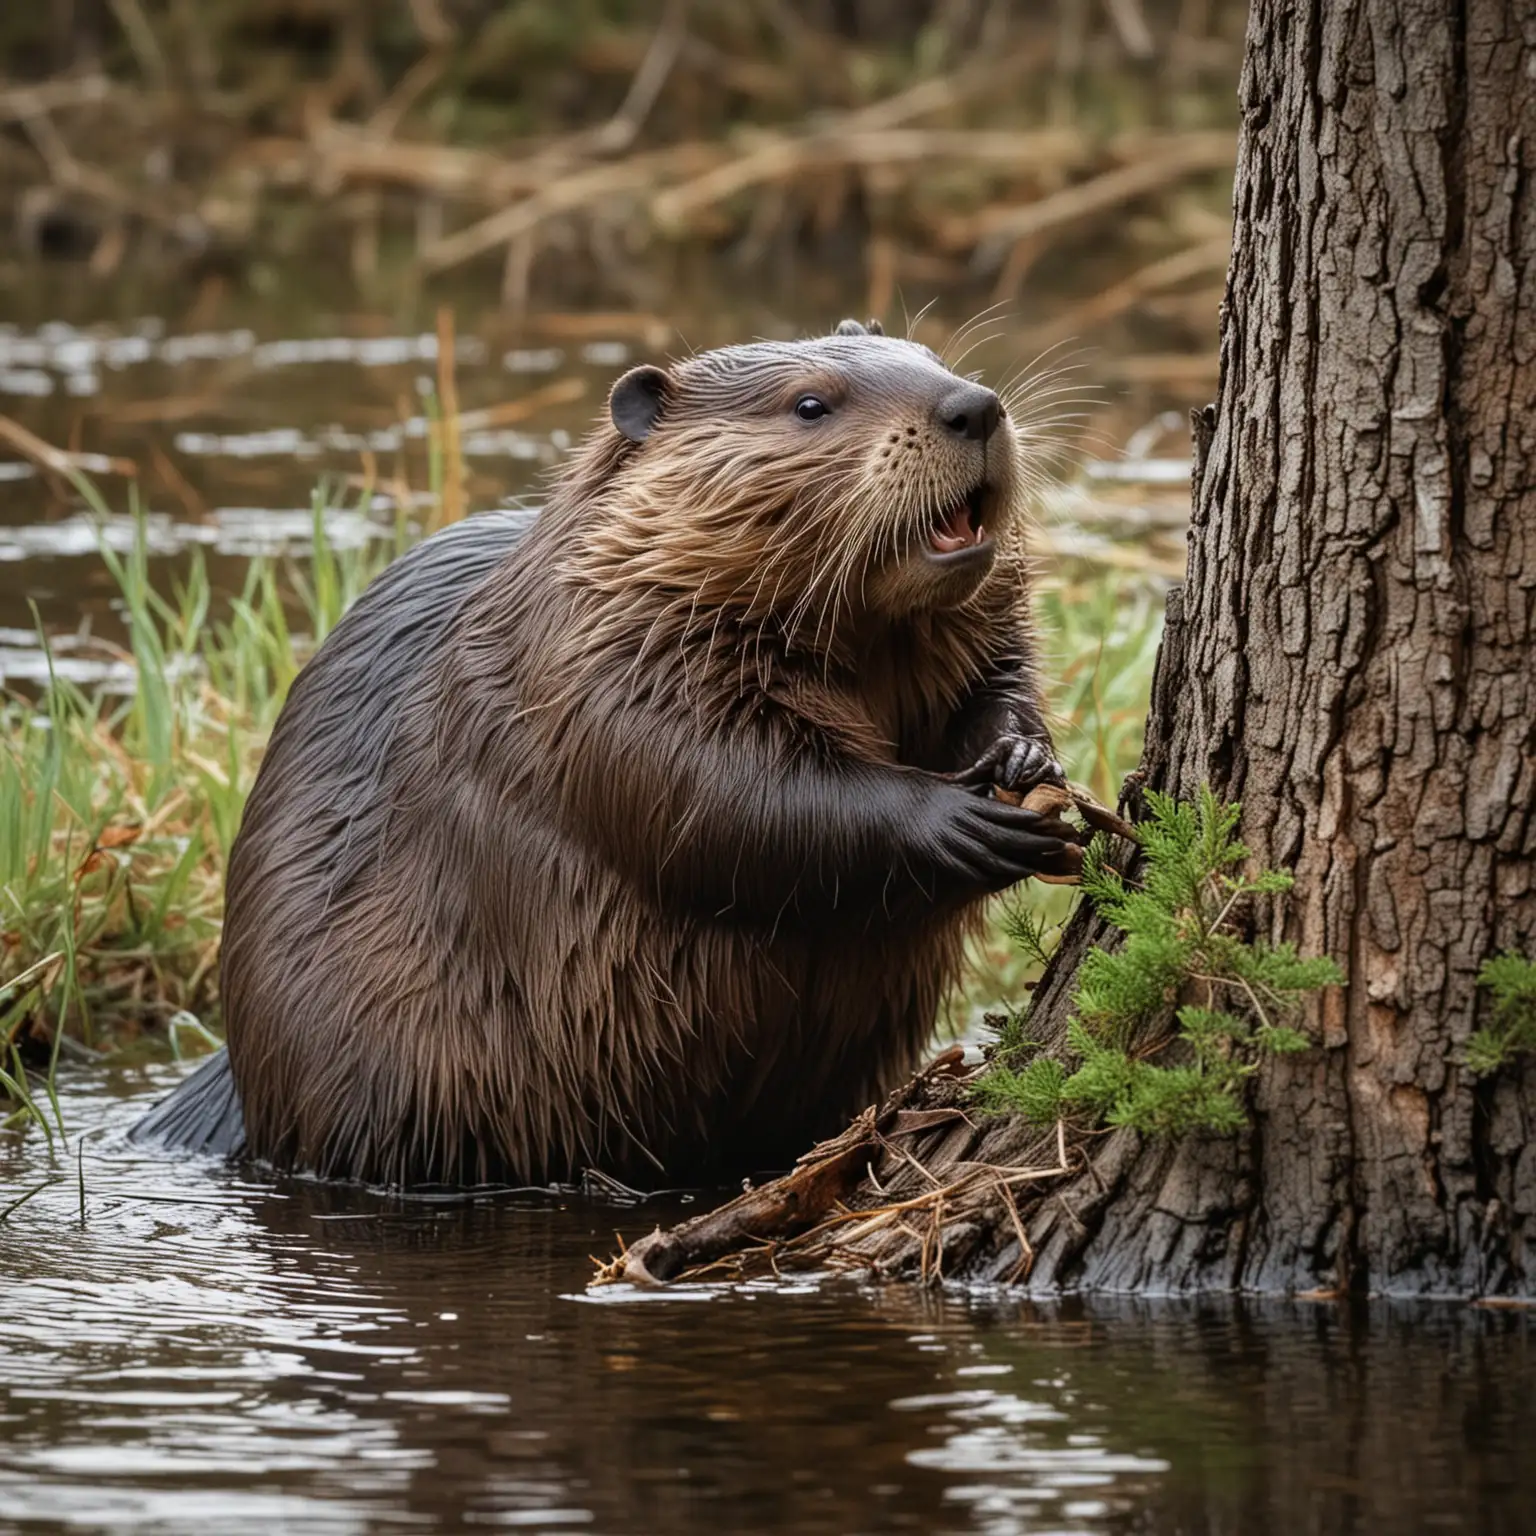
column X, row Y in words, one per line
column 1185, row 976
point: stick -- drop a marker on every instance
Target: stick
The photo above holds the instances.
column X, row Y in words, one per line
column 1193, row 261
column 565, row 194
column 618, row 133
column 1135, row 35
column 784, row 158
column 24, row 101
column 30, row 446
column 791, row 1204
column 995, row 230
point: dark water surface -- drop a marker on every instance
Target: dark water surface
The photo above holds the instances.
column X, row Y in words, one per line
column 212, row 1351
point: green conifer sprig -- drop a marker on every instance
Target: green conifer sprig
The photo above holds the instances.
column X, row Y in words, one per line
column 1182, row 940
column 1512, row 980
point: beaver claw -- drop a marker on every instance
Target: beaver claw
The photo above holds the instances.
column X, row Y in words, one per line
column 1014, row 763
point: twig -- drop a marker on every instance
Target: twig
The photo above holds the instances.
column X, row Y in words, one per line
column 435, row 28
column 935, row 1271
column 420, row 77
column 30, row 446
column 781, row 159
column 68, row 172
column 1026, row 1262
column 1167, row 271
column 1131, row 27
column 141, row 39
column 944, row 91
column 618, row 133
column 335, row 153
column 25, row 101
column 907, row 1157
column 564, row 194
column 560, row 392
column 995, row 230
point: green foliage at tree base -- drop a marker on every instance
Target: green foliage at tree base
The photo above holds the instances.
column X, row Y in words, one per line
column 1185, row 978
column 1512, row 980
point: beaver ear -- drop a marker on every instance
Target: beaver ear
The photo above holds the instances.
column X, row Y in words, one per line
column 849, row 328
column 636, row 400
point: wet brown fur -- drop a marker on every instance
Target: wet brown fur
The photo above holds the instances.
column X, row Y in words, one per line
column 559, row 882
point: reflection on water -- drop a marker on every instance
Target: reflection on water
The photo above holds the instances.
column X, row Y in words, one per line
column 210, row 1350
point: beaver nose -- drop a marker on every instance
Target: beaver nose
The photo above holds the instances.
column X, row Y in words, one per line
column 971, row 410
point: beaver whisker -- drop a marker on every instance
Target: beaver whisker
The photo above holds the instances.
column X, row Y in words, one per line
column 1025, row 397
column 1034, row 412
column 1037, row 439
column 1066, row 363
column 1022, row 406
column 913, row 321
column 980, row 339
column 1031, row 410
column 1022, row 403
column 1043, row 442
column 982, row 316
column 1054, row 444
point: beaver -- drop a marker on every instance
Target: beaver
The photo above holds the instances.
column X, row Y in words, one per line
column 643, row 833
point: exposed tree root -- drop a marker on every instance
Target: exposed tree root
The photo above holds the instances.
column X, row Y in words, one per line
column 921, row 1188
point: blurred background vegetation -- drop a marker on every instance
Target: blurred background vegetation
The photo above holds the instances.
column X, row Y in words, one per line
column 583, row 152
column 400, row 247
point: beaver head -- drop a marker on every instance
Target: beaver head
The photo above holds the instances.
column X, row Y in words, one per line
column 840, row 480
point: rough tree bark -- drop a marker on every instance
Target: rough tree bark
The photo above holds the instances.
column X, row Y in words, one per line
column 1353, row 657
column 1354, row 654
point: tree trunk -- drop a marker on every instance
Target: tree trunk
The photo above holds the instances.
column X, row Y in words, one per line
column 1353, row 657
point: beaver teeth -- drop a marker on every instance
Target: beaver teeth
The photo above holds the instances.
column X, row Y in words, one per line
column 959, row 527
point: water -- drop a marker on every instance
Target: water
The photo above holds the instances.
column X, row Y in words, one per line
column 214, row 1350
column 233, row 412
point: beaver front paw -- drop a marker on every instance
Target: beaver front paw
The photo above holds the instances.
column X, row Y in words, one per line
column 1014, row 763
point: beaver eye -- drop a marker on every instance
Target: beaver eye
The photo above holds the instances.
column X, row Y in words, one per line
column 809, row 408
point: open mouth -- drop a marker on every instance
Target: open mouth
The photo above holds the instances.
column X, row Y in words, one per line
column 960, row 527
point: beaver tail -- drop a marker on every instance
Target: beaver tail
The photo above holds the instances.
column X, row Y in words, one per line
column 202, row 1114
